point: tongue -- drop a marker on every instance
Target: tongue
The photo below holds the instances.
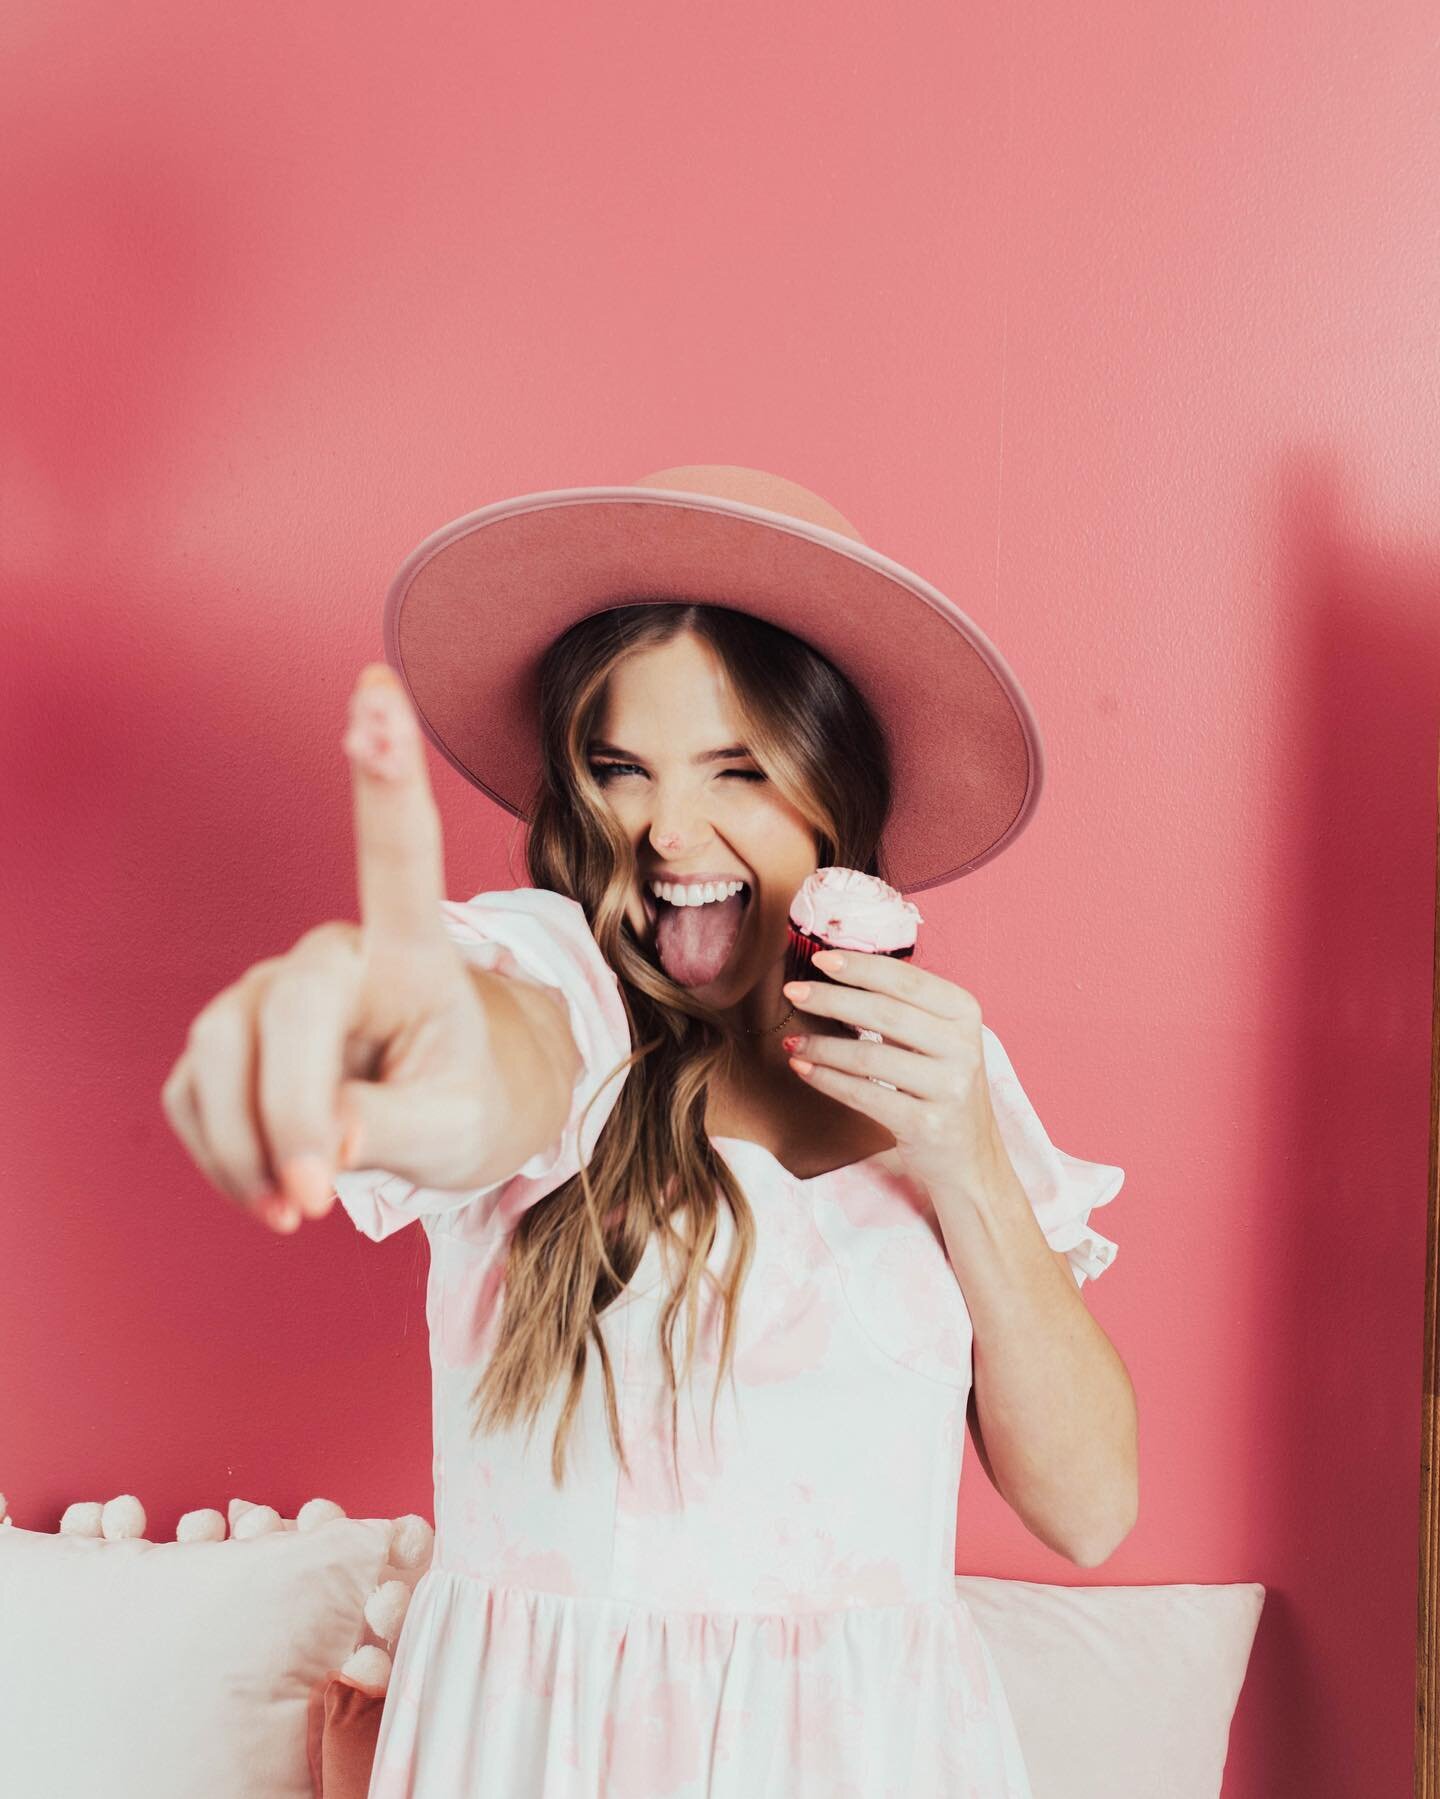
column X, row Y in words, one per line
column 694, row 942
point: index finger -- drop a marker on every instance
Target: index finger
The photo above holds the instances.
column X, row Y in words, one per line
column 896, row 975
column 399, row 854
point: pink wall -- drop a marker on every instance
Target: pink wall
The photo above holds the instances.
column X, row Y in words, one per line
column 1119, row 324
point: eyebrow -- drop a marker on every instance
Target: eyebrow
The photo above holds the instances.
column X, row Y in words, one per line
column 598, row 745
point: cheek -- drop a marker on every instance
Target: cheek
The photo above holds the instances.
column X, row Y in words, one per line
column 772, row 825
column 783, row 835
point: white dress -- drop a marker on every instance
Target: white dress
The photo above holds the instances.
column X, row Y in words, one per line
column 784, row 1627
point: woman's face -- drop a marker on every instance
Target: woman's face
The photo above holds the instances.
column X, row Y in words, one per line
column 693, row 815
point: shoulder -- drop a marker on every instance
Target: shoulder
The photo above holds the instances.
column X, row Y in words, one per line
column 531, row 911
column 536, row 933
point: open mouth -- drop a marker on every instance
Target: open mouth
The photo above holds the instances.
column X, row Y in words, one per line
column 654, row 905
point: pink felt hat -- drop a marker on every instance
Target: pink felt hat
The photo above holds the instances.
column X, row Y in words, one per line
column 473, row 607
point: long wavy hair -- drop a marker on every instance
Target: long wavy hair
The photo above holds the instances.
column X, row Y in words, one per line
column 574, row 1251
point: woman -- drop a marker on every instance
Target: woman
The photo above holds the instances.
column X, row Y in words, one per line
column 734, row 1578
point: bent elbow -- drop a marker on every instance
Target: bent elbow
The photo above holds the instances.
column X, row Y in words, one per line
column 1092, row 1554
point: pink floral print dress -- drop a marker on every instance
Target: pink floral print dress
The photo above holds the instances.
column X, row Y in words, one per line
column 782, row 1625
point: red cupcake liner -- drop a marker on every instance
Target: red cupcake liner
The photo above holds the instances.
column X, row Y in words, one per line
column 800, row 948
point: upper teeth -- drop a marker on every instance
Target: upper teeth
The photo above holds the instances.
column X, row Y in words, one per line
column 695, row 896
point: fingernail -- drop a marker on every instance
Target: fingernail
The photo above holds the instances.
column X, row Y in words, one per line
column 282, row 1216
column 380, row 735
column 374, row 673
column 307, row 1184
column 371, row 747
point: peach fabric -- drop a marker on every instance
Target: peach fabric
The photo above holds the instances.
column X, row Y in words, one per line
column 784, row 1622
column 1121, row 1690
column 342, row 1726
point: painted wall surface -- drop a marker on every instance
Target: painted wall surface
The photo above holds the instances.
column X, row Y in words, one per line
column 1116, row 322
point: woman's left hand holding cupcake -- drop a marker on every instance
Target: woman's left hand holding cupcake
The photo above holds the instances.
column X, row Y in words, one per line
column 937, row 1105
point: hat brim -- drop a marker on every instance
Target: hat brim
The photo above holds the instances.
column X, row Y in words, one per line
column 473, row 607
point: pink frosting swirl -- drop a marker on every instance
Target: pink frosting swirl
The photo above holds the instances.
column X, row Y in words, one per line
column 850, row 910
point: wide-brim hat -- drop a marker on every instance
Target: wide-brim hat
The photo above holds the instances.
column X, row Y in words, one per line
column 474, row 606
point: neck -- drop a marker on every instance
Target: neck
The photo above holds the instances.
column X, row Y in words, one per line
column 755, row 1017
column 758, row 1035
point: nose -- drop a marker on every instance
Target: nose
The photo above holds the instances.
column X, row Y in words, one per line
column 679, row 824
column 679, row 835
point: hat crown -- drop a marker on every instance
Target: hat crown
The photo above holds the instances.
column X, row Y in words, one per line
column 752, row 487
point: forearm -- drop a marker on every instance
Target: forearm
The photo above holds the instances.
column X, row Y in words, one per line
column 1055, row 1402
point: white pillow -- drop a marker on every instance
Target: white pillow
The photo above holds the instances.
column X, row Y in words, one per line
column 1119, row 1689
column 139, row 1670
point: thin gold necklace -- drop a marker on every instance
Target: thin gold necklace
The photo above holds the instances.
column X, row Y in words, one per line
column 765, row 1032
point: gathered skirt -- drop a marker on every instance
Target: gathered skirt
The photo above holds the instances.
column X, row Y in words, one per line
column 507, row 1692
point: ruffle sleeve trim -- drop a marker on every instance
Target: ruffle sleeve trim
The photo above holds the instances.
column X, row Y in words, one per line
column 1063, row 1189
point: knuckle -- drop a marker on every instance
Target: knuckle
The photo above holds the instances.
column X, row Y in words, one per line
column 931, row 1128
column 216, row 1026
column 961, row 1085
column 966, row 1073
column 332, row 934
column 292, row 992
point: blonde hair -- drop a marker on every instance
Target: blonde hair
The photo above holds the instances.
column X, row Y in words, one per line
column 574, row 1252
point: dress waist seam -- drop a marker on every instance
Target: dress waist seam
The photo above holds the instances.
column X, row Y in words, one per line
column 948, row 1601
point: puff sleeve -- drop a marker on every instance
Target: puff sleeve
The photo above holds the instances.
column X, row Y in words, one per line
column 1063, row 1189
column 536, row 934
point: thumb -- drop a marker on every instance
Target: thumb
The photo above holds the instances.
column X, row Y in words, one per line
column 418, row 1131
column 376, row 1121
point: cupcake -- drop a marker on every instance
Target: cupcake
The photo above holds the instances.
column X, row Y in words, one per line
column 840, row 908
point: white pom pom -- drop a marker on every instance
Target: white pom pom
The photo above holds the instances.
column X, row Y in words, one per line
column 412, row 1541
column 386, row 1607
column 123, row 1517
column 254, row 1521
column 368, row 1667
column 203, row 1526
column 317, row 1511
column 81, row 1519
column 234, row 1509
